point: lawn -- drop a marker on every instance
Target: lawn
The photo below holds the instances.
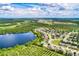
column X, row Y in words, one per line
column 31, row 50
column 56, row 41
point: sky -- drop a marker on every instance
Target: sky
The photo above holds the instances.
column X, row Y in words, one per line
column 39, row 10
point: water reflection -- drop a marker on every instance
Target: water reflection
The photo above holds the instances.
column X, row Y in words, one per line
column 9, row 40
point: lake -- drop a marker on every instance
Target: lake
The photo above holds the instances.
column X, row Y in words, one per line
column 9, row 40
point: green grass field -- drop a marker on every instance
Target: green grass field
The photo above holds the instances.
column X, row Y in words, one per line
column 25, row 26
column 31, row 50
column 56, row 41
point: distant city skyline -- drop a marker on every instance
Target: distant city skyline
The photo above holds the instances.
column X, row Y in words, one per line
column 39, row 10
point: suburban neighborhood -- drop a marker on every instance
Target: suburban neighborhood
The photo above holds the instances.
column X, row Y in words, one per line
column 68, row 41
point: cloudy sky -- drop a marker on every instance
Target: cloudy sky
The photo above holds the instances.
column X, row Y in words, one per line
column 39, row 10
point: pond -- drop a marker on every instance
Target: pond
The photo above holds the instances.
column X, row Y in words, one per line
column 9, row 40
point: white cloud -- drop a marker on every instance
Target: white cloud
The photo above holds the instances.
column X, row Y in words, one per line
column 7, row 8
column 41, row 11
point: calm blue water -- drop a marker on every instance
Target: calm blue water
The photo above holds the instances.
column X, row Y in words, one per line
column 9, row 40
